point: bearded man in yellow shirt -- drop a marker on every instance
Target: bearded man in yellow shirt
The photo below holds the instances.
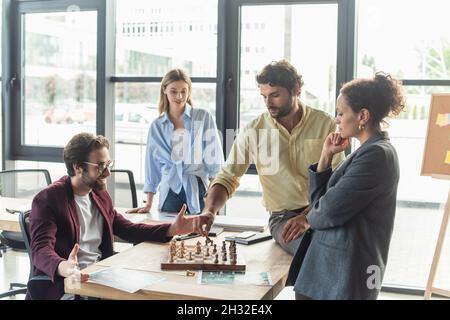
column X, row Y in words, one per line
column 282, row 142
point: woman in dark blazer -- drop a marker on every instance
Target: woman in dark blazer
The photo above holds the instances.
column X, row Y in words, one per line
column 353, row 208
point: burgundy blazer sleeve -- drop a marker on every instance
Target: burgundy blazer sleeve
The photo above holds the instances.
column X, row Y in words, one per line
column 43, row 229
column 139, row 232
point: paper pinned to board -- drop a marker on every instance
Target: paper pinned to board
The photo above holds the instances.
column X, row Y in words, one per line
column 443, row 119
column 127, row 280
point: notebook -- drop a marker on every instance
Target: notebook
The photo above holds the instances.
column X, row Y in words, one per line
column 257, row 237
column 231, row 223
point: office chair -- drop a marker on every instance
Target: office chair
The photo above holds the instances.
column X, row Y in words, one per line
column 25, row 184
column 36, row 289
column 122, row 184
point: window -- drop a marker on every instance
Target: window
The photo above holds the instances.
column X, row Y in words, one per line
column 59, row 93
column 399, row 44
column 156, row 55
column 1, row 87
column 419, row 54
column 148, row 59
column 294, row 33
column 54, row 90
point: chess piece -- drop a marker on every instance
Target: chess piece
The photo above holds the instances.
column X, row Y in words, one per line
column 216, row 260
column 171, row 258
column 190, row 256
column 215, row 249
column 224, row 249
column 198, row 248
column 224, row 257
column 182, row 244
column 190, row 273
column 207, row 252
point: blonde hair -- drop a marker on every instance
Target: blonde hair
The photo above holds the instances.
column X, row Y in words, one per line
column 172, row 76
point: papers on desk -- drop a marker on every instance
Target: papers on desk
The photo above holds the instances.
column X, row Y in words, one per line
column 235, row 278
column 230, row 223
column 127, row 280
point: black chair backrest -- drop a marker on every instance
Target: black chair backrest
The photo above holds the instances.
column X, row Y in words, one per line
column 131, row 184
column 38, row 287
column 9, row 182
column 24, row 221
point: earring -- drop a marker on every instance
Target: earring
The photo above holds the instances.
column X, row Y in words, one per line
column 361, row 127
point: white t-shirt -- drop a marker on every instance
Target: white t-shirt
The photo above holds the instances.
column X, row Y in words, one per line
column 91, row 231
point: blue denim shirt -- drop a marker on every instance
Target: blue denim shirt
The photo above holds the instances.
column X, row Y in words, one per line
column 201, row 155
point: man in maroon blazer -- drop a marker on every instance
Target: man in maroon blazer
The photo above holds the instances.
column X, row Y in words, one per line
column 73, row 221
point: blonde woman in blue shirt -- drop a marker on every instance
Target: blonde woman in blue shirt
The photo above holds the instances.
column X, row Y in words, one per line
column 183, row 149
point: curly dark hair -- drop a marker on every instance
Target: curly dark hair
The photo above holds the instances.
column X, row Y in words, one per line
column 382, row 96
column 280, row 73
column 79, row 147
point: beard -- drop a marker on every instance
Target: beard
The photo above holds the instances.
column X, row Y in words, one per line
column 92, row 183
column 283, row 110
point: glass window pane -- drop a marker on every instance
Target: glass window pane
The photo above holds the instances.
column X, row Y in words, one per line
column 136, row 108
column 415, row 45
column 204, row 97
column 156, row 36
column 247, row 200
column 294, row 30
column 1, row 42
column 57, row 170
column 1, row 33
column 60, row 69
column 419, row 199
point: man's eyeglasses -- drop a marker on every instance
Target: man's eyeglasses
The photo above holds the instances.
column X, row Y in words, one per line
column 101, row 167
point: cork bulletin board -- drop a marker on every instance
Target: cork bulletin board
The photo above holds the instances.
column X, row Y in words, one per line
column 436, row 157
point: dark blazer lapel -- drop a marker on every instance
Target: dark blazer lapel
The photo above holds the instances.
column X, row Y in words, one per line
column 337, row 174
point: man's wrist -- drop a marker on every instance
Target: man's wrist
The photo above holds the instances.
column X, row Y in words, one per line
column 171, row 231
column 209, row 212
column 62, row 268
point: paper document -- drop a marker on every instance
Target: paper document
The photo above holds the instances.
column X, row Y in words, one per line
column 127, row 280
column 235, row 277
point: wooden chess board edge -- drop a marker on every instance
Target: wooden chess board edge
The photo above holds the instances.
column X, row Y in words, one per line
column 202, row 266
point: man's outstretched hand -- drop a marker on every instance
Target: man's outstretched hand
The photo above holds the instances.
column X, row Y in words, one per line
column 69, row 267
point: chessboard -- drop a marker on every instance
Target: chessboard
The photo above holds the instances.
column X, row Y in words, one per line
column 208, row 256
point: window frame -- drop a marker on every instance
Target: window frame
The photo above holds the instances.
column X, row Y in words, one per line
column 14, row 147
